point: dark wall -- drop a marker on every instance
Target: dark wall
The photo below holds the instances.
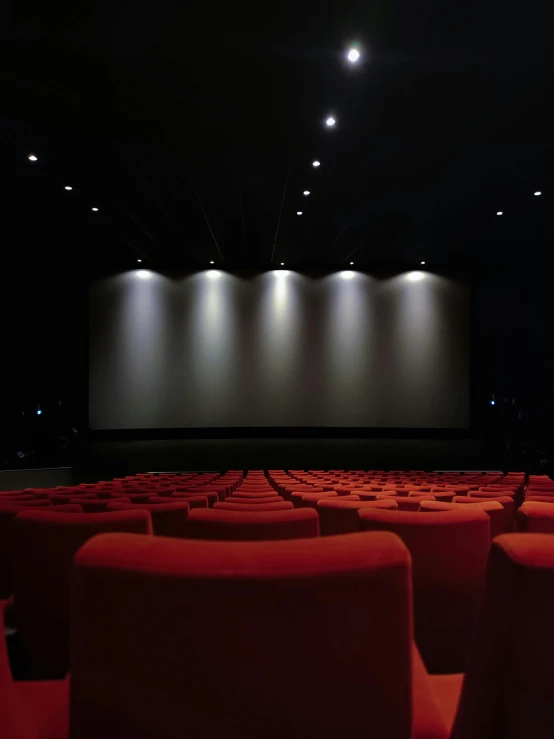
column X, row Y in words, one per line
column 43, row 365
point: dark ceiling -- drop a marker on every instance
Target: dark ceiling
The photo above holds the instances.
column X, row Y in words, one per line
column 193, row 127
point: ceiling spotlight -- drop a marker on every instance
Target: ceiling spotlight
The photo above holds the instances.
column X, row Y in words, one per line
column 306, row 192
column 212, row 262
column 316, row 163
column 282, row 264
column 422, row 262
column 139, row 260
column 353, row 56
column 298, row 212
column 95, row 210
column 538, row 193
column 499, row 212
column 351, row 262
column 330, row 122
column 68, row 187
column 32, row 158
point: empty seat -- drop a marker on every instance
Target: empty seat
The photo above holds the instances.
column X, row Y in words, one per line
column 449, row 555
column 535, row 517
column 337, row 516
column 284, row 505
column 237, row 526
column 43, row 546
column 301, row 675
column 168, row 519
column 508, row 690
column 97, row 506
column 492, row 508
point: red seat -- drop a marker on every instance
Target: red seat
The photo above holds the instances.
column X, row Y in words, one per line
column 43, row 546
column 237, row 526
column 302, row 675
column 168, row 519
column 97, row 506
column 508, row 690
column 284, row 505
column 492, row 508
column 535, row 517
column 337, row 516
column 449, row 555
column 254, row 501
column 193, row 501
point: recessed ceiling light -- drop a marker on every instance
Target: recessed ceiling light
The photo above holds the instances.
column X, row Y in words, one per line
column 499, row 212
column 298, row 212
column 330, row 122
column 351, row 262
column 282, row 264
column 68, row 187
column 353, row 56
column 306, row 192
column 316, row 163
column 422, row 262
column 212, row 262
column 538, row 192
column 139, row 260
column 32, row 158
column 95, row 210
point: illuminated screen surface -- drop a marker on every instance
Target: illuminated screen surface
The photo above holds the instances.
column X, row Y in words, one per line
column 214, row 349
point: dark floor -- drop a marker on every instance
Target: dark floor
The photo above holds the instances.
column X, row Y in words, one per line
column 106, row 459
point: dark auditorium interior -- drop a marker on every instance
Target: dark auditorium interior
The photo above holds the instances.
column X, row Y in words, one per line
column 277, row 408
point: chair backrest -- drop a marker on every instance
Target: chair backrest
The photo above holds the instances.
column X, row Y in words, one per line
column 449, row 556
column 168, row 519
column 214, row 523
column 43, row 547
column 508, row 688
column 535, row 518
column 339, row 516
column 241, row 639
column 285, row 505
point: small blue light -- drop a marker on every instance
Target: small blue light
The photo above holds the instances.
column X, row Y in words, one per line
column 39, row 413
column 492, row 402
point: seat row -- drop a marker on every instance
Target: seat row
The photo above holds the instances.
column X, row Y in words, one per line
column 298, row 638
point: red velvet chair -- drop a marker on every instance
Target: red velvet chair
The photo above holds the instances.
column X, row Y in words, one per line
column 212, row 498
column 449, row 555
column 284, row 505
column 492, row 508
column 316, row 640
column 98, row 506
column 507, row 501
column 168, row 519
column 254, row 501
column 31, row 710
column 193, row 501
column 535, row 518
column 339, row 516
column 237, row 526
column 43, row 545
column 508, row 690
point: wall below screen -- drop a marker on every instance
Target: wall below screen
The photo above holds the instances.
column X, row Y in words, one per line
column 278, row 349
column 106, row 459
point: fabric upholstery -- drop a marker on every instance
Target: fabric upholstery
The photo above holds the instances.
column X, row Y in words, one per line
column 168, row 519
column 280, row 666
column 449, row 556
column 43, row 546
column 252, row 526
column 284, row 505
column 535, row 517
column 508, row 689
column 338, row 516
